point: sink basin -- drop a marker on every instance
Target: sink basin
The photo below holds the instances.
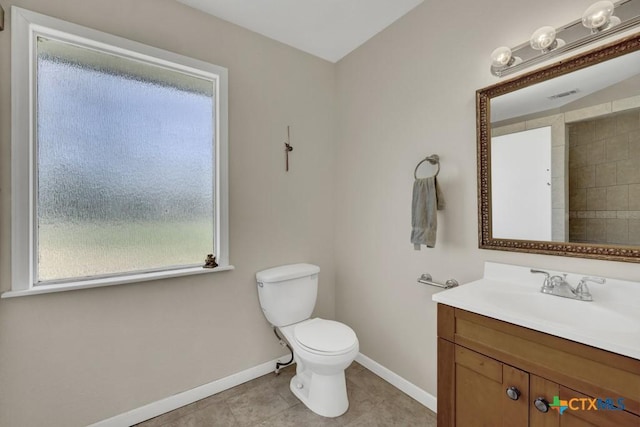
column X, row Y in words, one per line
column 611, row 321
column 566, row 313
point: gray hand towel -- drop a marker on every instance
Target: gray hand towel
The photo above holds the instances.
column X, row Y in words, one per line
column 427, row 198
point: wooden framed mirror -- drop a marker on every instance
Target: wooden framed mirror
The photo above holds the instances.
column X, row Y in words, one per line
column 559, row 157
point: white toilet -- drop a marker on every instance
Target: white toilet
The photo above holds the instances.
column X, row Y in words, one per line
column 322, row 349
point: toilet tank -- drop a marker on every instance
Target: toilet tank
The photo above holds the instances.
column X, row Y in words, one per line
column 288, row 293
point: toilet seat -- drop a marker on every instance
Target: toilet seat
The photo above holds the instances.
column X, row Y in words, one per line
column 325, row 337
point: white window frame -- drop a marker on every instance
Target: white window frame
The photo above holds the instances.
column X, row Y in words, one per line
column 26, row 26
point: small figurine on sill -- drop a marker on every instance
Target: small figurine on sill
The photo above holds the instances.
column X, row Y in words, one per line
column 210, row 262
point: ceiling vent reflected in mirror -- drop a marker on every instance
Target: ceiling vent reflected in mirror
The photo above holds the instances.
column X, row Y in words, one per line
column 564, row 94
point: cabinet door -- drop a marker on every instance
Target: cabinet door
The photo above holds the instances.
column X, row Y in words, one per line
column 481, row 397
column 581, row 414
column 540, row 413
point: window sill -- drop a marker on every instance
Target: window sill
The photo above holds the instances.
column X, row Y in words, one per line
column 119, row 280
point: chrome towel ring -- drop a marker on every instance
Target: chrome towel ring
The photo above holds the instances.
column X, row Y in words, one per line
column 434, row 159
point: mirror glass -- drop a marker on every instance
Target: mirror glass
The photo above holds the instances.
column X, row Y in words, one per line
column 559, row 157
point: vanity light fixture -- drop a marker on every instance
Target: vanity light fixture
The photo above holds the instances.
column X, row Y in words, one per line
column 597, row 22
column 599, row 16
column 544, row 39
column 502, row 58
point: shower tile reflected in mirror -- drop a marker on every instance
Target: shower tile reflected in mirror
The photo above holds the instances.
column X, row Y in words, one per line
column 604, row 179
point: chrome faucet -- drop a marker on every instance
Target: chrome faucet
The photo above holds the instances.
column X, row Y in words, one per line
column 558, row 286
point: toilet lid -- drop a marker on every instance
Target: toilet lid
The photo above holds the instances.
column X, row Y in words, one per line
column 325, row 336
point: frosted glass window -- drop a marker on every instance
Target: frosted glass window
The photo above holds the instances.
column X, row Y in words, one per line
column 124, row 165
column 119, row 159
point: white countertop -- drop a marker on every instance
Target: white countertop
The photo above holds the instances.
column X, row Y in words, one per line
column 512, row 294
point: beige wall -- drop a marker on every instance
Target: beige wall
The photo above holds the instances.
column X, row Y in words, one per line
column 407, row 93
column 73, row 358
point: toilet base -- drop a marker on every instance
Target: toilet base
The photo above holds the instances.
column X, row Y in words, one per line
column 320, row 382
column 326, row 395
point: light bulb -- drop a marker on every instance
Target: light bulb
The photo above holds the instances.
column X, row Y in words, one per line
column 543, row 39
column 501, row 57
column 599, row 16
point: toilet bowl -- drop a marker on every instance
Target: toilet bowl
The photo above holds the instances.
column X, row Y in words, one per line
column 322, row 349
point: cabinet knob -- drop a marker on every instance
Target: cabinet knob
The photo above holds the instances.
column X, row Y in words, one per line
column 513, row 393
column 541, row 404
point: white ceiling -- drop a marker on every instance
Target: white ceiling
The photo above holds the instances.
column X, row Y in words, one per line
column 329, row 29
column 587, row 81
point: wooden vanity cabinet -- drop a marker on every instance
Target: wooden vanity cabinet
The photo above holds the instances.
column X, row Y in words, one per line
column 490, row 373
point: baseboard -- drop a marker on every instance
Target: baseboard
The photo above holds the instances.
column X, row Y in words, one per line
column 176, row 401
column 398, row 382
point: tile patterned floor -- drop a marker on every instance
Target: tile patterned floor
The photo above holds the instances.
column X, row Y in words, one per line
column 268, row 402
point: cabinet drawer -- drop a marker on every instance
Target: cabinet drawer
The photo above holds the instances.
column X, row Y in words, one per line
column 483, row 365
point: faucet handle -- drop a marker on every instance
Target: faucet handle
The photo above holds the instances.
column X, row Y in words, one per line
column 546, row 285
column 582, row 290
column 600, row 280
column 546, row 273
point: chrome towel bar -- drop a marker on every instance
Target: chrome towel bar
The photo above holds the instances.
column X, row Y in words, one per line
column 426, row 279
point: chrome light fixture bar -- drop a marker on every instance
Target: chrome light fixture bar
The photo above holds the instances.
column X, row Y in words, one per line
column 601, row 20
